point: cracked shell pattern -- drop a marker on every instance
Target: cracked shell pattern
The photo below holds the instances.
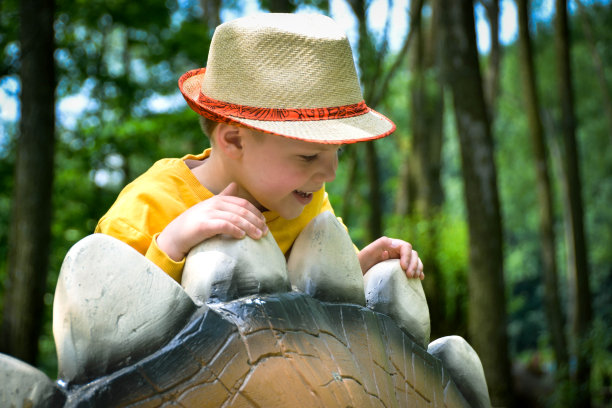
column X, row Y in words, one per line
column 283, row 350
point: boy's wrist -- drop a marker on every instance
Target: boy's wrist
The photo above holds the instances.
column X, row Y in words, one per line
column 156, row 255
column 168, row 247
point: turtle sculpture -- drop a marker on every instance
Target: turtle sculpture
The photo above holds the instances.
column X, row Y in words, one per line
column 246, row 328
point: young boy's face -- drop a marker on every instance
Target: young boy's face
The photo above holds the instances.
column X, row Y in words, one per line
column 281, row 174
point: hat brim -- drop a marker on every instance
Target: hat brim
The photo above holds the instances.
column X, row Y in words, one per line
column 362, row 125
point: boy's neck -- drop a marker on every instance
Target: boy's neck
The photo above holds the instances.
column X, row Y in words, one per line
column 214, row 175
column 210, row 173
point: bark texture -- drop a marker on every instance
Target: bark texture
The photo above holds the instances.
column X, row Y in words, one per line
column 554, row 312
column 598, row 64
column 578, row 269
column 370, row 69
column 28, row 255
column 493, row 72
column 486, row 306
column 421, row 181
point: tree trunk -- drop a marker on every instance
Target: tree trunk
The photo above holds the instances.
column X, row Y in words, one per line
column 598, row 64
column 554, row 312
column 278, row 6
column 28, row 255
column 492, row 75
column 486, row 305
column 211, row 13
column 423, row 185
column 576, row 241
column 375, row 223
column 370, row 66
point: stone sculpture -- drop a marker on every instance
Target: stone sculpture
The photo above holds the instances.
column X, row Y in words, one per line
column 236, row 335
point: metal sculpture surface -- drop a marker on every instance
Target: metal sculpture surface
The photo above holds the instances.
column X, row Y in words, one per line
column 237, row 335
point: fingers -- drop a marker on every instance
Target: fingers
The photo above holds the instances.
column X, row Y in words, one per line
column 385, row 255
column 223, row 224
column 404, row 250
column 237, row 222
column 241, row 217
column 409, row 258
column 230, row 190
column 420, row 270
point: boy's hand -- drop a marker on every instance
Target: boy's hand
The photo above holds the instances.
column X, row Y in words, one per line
column 386, row 248
column 222, row 214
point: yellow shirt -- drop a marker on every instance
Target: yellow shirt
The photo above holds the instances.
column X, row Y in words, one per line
column 146, row 205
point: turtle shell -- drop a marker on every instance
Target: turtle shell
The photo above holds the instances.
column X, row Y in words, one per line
column 280, row 350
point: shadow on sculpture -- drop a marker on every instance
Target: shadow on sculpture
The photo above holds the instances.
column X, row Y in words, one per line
column 246, row 328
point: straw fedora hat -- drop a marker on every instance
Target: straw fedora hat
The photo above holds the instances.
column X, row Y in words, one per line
column 287, row 74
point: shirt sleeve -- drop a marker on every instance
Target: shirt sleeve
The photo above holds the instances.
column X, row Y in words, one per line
column 161, row 259
column 143, row 243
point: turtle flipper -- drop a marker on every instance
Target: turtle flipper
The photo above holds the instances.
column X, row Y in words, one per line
column 25, row 386
column 388, row 291
column 324, row 264
column 223, row 268
column 112, row 307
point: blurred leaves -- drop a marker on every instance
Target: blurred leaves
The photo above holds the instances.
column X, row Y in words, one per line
column 119, row 63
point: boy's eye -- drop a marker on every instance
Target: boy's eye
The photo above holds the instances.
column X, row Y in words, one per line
column 308, row 158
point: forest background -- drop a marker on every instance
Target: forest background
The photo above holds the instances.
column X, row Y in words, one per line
column 499, row 173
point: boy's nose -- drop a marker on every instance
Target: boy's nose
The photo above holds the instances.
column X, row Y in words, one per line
column 327, row 171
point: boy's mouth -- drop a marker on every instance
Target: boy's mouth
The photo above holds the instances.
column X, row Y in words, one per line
column 303, row 193
column 302, row 196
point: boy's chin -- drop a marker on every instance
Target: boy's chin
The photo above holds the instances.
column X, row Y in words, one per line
column 291, row 214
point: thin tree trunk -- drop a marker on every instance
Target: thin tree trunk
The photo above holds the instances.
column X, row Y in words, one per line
column 279, row 6
column 424, row 164
column 576, row 245
column 375, row 224
column 405, row 190
column 486, row 305
column 598, row 65
column 370, row 66
column 28, row 256
column 554, row 312
column 492, row 73
column 350, row 162
column 375, row 95
column 211, row 10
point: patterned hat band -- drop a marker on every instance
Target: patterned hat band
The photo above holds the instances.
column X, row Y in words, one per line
column 282, row 115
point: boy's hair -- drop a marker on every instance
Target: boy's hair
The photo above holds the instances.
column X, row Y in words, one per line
column 208, row 127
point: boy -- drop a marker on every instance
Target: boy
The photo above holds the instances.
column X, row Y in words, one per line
column 278, row 97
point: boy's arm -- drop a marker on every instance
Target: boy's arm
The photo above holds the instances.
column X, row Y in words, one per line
column 222, row 214
column 141, row 242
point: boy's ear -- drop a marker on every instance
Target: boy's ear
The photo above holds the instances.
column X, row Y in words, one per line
column 229, row 139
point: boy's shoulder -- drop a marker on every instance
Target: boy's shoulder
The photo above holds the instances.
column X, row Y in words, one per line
column 168, row 176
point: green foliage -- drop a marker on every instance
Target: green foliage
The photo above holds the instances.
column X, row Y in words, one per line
column 124, row 56
column 121, row 56
column 601, row 344
column 9, row 57
column 443, row 238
